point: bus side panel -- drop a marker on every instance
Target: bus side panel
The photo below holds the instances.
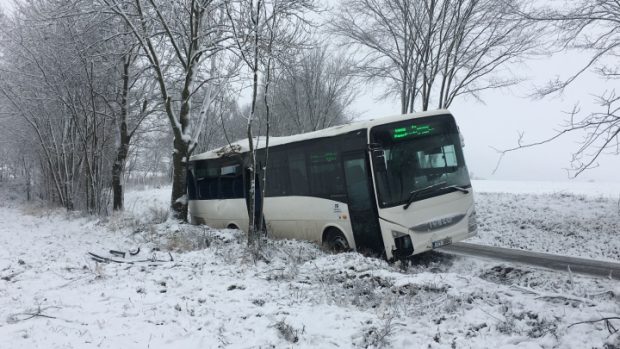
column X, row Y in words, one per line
column 220, row 213
column 304, row 217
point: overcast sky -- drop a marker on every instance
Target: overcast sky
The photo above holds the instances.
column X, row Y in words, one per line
column 498, row 121
column 5, row 4
column 505, row 113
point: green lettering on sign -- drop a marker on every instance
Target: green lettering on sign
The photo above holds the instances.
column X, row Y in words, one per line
column 325, row 157
column 411, row 131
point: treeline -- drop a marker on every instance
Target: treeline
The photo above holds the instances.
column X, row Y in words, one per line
column 91, row 90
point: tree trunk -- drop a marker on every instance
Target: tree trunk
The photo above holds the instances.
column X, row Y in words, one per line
column 118, row 168
column 178, row 200
column 117, row 176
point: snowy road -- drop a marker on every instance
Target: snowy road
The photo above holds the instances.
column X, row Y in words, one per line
column 550, row 261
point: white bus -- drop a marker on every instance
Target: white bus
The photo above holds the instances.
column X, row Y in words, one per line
column 396, row 186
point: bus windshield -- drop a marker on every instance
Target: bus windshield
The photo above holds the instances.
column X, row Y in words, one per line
column 417, row 159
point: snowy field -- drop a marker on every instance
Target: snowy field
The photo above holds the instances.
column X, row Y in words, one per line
column 211, row 292
column 590, row 189
column 568, row 218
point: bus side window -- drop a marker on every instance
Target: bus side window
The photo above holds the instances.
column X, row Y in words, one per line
column 277, row 174
column 326, row 175
column 231, row 182
column 207, row 181
column 298, row 173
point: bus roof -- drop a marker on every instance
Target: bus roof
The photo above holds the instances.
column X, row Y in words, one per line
column 241, row 146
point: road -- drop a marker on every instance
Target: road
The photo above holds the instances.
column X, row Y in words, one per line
column 550, row 261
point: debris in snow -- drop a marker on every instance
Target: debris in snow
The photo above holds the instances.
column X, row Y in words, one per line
column 153, row 259
column 27, row 315
column 606, row 320
column 10, row 276
column 101, row 259
column 235, row 287
column 287, row 331
column 117, row 253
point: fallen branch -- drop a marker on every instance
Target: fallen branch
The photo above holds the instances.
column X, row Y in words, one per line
column 118, row 253
column 101, row 259
column 15, row 318
column 540, row 295
column 10, row 276
column 608, row 324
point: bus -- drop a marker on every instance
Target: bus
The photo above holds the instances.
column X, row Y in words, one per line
column 395, row 186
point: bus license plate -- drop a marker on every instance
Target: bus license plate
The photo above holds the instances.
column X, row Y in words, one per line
column 443, row 242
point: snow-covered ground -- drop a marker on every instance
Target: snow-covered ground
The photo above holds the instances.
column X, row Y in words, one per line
column 215, row 293
column 590, row 189
column 567, row 218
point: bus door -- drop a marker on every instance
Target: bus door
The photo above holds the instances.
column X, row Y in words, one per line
column 361, row 202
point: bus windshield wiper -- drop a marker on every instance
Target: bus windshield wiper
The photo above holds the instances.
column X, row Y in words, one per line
column 461, row 189
column 415, row 193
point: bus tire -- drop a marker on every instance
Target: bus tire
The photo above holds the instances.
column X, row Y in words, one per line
column 232, row 226
column 334, row 240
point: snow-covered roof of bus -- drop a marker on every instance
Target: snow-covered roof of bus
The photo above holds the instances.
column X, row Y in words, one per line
column 242, row 146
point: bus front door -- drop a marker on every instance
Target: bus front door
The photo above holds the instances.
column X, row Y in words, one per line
column 361, row 202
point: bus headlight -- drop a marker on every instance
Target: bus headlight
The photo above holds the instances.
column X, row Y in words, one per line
column 472, row 224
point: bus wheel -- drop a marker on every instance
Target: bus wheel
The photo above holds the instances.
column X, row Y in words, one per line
column 232, row 226
column 336, row 241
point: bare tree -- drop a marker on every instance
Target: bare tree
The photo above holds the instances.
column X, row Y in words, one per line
column 591, row 26
column 128, row 119
column 263, row 31
column 181, row 41
column 313, row 92
column 52, row 80
column 224, row 123
column 432, row 51
column 130, row 95
column 74, row 76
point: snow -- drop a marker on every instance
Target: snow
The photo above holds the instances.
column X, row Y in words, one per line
column 589, row 189
column 217, row 293
column 572, row 218
column 147, row 203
